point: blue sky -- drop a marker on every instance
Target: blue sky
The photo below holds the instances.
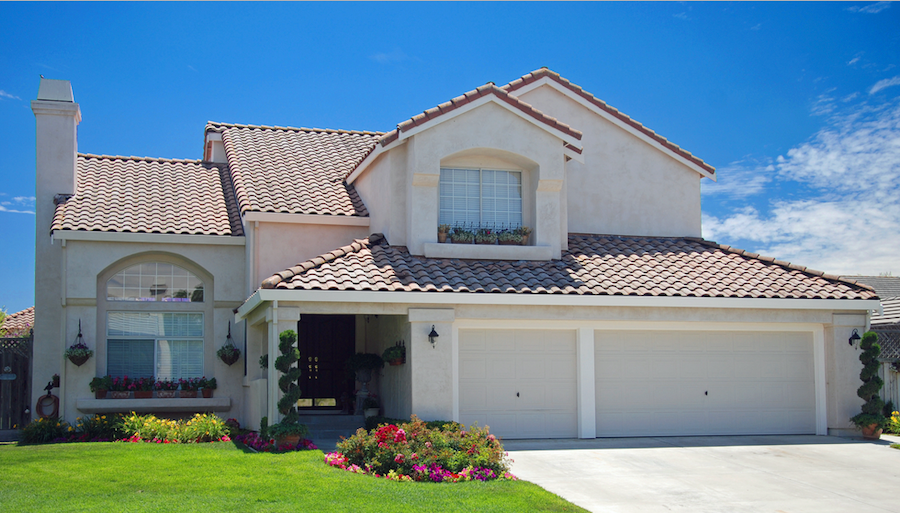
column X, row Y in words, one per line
column 796, row 104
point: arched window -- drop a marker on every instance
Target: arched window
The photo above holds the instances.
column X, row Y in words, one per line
column 155, row 322
column 155, row 281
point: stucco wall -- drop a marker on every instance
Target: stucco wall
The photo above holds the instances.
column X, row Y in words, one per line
column 278, row 246
column 625, row 186
column 489, row 130
column 381, row 332
column 384, row 188
column 88, row 264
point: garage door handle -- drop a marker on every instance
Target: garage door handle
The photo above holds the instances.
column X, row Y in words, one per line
column 706, row 393
column 517, row 394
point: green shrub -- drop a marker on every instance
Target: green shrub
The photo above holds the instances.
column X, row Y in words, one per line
column 42, row 431
column 413, row 449
column 868, row 392
column 100, row 427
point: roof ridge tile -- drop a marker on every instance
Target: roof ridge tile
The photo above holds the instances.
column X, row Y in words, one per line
column 212, row 125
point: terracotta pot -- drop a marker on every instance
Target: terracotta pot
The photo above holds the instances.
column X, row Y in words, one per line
column 165, row 394
column 525, row 240
column 442, row 237
column 188, row 394
column 79, row 360
column 293, row 440
column 871, row 432
column 119, row 394
column 207, row 392
column 143, row 394
column 397, row 361
column 100, row 394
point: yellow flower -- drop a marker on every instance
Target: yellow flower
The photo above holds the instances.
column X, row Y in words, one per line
column 70, row 428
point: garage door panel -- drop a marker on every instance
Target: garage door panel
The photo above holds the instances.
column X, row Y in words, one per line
column 472, row 368
column 538, row 365
column 715, row 383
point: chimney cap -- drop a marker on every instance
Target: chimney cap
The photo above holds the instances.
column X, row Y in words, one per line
column 56, row 90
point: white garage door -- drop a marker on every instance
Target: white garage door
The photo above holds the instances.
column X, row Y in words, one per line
column 704, row 383
column 521, row 383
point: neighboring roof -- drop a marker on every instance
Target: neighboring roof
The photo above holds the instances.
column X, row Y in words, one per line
column 147, row 195
column 19, row 320
column 544, row 72
column 891, row 315
column 885, row 286
column 603, row 265
column 459, row 101
column 295, row 170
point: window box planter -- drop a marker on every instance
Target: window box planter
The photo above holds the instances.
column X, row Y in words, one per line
column 143, row 394
column 165, row 394
column 188, row 394
column 119, row 394
column 206, row 392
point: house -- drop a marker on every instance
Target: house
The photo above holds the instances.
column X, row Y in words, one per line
column 887, row 325
column 615, row 319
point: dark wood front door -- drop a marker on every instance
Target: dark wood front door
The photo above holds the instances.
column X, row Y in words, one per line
column 326, row 342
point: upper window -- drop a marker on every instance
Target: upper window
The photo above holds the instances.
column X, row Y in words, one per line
column 155, row 281
column 487, row 198
column 167, row 345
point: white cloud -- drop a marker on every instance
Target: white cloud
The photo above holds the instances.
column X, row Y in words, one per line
column 853, row 61
column 740, row 179
column 4, row 94
column 848, row 221
column 881, row 84
column 824, row 103
column 18, row 205
column 681, row 16
column 756, row 27
column 850, row 97
column 386, row 58
column 875, row 8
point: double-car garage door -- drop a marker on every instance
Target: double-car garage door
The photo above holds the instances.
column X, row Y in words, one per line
column 522, row 383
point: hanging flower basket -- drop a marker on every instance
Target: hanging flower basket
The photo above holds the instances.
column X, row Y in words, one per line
column 229, row 354
column 79, row 353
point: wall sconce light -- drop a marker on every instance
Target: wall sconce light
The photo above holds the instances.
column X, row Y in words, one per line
column 854, row 338
column 432, row 337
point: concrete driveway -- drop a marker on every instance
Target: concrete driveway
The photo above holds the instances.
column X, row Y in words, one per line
column 789, row 474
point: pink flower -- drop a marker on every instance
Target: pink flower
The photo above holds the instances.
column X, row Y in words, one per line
column 399, row 458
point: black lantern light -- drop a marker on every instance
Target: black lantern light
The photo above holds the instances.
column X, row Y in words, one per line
column 432, row 337
column 854, row 338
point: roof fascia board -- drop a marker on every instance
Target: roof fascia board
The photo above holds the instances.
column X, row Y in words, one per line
column 372, row 157
column 572, row 154
column 404, row 134
column 280, row 217
column 632, row 325
column 451, row 298
column 612, row 119
column 149, row 238
column 248, row 307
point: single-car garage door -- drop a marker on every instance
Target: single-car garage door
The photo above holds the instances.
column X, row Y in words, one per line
column 651, row 383
column 521, row 383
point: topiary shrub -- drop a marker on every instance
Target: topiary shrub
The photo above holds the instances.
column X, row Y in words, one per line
column 872, row 409
column 289, row 376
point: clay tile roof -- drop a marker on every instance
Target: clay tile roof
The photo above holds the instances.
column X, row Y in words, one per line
column 295, row 170
column 19, row 321
column 459, row 101
column 544, row 72
column 147, row 195
column 598, row 265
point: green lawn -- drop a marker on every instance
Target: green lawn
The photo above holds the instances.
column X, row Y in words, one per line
column 221, row 477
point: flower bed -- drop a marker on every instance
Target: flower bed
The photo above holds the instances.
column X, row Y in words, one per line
column 132, row 428
column 414, row 451
column 259, row 444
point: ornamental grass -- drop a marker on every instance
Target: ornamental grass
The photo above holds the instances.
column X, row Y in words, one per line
column 413, row 451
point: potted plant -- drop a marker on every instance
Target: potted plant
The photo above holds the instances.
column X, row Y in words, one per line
column 78, row 353
column 509, row 238
column 395, row 355
column 165, row 389
column 289, row 430
column 118, row 388
column 460, row 235
column 229, row 353
column 524, row 231
column 443, row 232
column 363, row 364
column 99, row 386
column 371, row 406
column 189, row 387
column 207, row 386
column 871, row 420
column 485, row 236
column 142, row 388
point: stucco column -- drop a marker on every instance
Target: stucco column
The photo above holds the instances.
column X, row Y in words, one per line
column 843, row 379
column 278, row 319
column 432, row 377
column 587, row 403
